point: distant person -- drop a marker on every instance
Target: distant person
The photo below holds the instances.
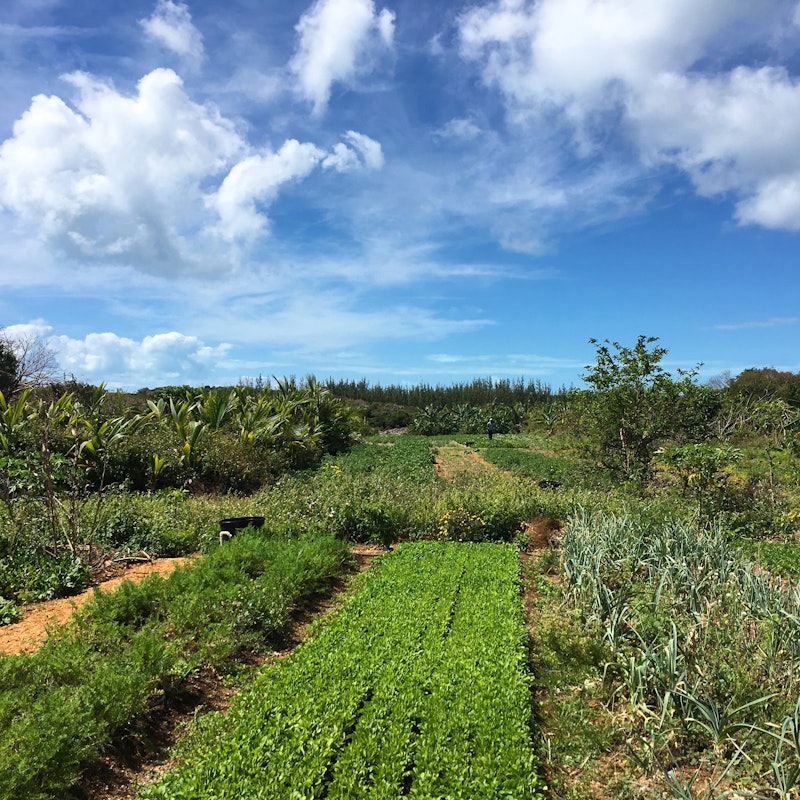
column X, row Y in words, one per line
column 490, row 428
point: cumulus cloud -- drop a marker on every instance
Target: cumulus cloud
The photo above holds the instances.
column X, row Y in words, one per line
column 25, row 330
column 257, row 180
column 153, row 360
column 132, row 180
column 584, row 50
column 253, row 183
column 117, row 178
column 640, row 62
column 171, row 26
column 338, row 40
column 738, row 132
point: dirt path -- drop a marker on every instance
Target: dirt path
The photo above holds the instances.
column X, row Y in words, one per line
column 456, row 458
column 28, row 635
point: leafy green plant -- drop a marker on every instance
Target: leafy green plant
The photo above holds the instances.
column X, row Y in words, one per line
column 62, row 704
column 419, row 686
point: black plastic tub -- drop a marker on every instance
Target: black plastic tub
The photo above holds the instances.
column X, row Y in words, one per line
column 231, row 526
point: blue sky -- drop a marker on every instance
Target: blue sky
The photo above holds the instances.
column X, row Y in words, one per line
column 405, row 192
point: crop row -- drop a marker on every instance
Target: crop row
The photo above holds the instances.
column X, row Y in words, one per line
column 61, row 705
column 418, row 687
column 703, row 649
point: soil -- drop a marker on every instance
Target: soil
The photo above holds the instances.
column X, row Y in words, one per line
column 28, row 635
column 456, row 458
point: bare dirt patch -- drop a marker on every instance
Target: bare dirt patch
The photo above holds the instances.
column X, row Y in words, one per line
column 28, row 635
column 456, row 458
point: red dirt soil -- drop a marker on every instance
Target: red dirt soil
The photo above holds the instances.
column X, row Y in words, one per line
column 28, row 635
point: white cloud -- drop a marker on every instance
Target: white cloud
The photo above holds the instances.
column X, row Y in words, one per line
column 369, row 150
column 154, row 360
column 132, row 180
column 637, row 63
column 338, row 40
column 257, row 180
column 35, row 328
column 504, row 364
column 324, row 322
column 365, row 152
column 171, row 25
column 738, row 132
column 462, row 129
column 119, row 178
column 773, row 322
column 564, row 50
column 253, row 183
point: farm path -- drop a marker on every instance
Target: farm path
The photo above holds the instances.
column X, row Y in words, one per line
column 28, row 635
column 456, row 458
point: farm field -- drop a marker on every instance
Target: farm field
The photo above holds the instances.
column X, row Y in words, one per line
column 656, row 656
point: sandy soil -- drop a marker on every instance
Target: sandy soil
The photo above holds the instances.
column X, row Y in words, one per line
column 28, row 635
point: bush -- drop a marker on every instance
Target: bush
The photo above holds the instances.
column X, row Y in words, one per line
column 229, row 465
column 34, row 575
column 164, row 524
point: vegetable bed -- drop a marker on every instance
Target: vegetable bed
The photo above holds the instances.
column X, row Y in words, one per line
column 418, row 687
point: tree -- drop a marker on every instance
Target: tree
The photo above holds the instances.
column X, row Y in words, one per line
column 9, row 364
column 637, row 406
column 767, row 383
column 35, row 362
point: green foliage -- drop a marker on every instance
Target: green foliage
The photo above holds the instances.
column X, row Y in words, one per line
column 9, row 612
column 702, row 650
column 63, row 458
column 61, row 705
column 165, row 524
column 704, row 473
column 636, row 406
column 434, row 420
column 481, row 392
column 526, row 457
column 767, row 383
column 419, row 686
column 780, row 558
column 34, row 576
column 9, row 366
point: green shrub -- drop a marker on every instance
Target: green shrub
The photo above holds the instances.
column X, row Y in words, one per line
column 34, row 575
column 9, row 612
column 229, row 465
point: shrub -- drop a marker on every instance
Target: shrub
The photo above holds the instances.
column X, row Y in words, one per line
column 34, row 575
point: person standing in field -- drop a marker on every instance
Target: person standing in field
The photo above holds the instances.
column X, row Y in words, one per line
column 490, row 428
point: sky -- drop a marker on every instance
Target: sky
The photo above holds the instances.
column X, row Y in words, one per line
column 404, row 191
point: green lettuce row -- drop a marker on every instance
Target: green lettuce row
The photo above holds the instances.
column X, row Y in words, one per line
column 418, row 687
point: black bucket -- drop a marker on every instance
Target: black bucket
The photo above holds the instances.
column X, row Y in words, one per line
column 231, row 526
